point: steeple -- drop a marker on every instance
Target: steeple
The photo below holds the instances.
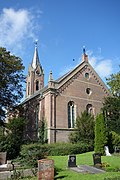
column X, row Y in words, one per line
column 35, row 60
column 35, row 77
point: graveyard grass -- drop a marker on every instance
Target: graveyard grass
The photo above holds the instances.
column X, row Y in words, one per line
column 62, row 172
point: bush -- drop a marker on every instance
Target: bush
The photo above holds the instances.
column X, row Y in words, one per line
column 84, row 129
column 12, row 140
column 100, row 134
column 113, row 140
column 31, row 153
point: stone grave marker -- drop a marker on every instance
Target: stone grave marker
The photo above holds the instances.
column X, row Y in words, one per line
column 45, row 169
column 72, row 161
column 97, row 159
column 2, row 158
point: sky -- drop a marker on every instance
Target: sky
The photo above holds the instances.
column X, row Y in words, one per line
column 62, row 28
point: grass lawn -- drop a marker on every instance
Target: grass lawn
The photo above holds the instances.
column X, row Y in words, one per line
column 86, row 158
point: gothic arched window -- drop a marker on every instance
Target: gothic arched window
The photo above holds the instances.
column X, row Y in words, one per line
column 37, row 116
column 37, row 85
column 89, row 108
column 28, row 88
column 71, row 114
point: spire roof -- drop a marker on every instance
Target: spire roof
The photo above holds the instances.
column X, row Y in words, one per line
column 35, row 60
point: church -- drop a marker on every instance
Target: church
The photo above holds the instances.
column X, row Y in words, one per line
column 62, row 100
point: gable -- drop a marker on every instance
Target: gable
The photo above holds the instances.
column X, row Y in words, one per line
column 77, row 77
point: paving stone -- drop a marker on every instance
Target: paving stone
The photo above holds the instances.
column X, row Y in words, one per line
column 87, row 169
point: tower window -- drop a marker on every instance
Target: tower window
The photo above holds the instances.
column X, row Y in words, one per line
column 71, row 115
column 37, row 85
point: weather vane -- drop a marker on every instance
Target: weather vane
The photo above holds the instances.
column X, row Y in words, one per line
column 83, row 49
column 36, row 42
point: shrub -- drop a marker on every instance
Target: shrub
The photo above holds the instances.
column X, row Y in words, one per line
column 100, row 134
column 13, row 139
column 31, row 153
column 84, row 129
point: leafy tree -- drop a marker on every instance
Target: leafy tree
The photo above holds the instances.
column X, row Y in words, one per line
column 84, row 130
column 11, row 78
column 100, row 134
column 111, row 104
column 12, row 140
column 111, row 109
column 114, row 83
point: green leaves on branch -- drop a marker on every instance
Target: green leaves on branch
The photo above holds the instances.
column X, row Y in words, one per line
column 11, row 79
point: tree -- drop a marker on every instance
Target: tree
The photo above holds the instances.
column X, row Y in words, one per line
column 84, row 130
column 11, row 79
column 12, row 140
column 111, row 109
column 111, row 104
column 100, row 134
column 114, row 83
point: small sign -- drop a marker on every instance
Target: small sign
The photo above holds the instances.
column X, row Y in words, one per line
column 72, row 161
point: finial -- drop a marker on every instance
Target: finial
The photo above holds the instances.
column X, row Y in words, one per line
column 50, row 76
column 83, row 49
column 36, row 42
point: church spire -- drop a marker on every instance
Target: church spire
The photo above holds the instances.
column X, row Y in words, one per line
column 35, row 60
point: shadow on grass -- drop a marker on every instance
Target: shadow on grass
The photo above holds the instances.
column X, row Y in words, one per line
column 56, row 172
column 60, row 177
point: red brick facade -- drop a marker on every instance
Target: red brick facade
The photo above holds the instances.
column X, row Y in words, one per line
column 62, row 100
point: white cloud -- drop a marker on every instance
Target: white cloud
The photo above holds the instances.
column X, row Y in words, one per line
column 102, row 66
column 16, row 26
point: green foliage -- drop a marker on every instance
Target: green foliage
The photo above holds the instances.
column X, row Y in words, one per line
column 114, row 83
column 42, row 132
column 111, row 109
column 13, row 137
column 31, row 153
column 100, row 134
column 84, row 129
column 11, row 78
column 115, row 139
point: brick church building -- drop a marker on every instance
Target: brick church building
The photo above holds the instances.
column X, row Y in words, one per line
column 61, row 100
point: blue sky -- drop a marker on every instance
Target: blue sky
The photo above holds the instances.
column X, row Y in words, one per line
column 63, row 27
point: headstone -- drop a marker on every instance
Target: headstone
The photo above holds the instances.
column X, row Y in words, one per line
column 45, row 169
column 72, row 161
column 2, row 158
column 97, row 159
column 117, row 149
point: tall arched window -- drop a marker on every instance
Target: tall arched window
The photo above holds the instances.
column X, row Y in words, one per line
column 37, row 116
column 28, row 88
column 89, row 108
column 71, row 114
column 37, row 85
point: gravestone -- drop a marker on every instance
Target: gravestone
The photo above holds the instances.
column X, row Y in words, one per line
column 97, row 159
column 45, row 169
column 72, row 161
column 2, row 158
column 117, row 149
